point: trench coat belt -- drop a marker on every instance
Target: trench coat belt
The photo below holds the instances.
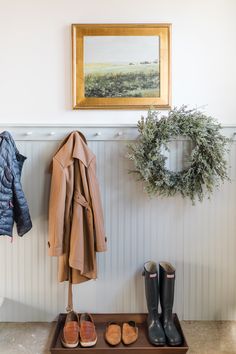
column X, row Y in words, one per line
column 80, row 199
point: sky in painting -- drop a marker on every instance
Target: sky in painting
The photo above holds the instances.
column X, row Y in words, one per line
column 110, row 49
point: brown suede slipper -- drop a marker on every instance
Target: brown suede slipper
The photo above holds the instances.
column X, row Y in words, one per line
column 113, row 333
column 129, row 332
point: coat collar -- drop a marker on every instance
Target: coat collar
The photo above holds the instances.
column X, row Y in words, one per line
column 74, row 147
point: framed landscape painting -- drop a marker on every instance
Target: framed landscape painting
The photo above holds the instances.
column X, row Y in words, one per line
column 123, row 66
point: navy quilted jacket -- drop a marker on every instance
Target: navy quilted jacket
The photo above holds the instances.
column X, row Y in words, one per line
column 13, row 205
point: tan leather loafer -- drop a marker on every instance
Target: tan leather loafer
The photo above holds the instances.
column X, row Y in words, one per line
column 70, row 334
column 113, row 333
column 88, row 335
column 129, row 332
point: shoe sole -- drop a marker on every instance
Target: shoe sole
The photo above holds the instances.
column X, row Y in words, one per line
column 88, row 344
column 67, row 345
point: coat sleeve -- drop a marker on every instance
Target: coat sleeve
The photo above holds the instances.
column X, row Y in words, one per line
column 56, row 209
column 100, row 239
column 21, row 210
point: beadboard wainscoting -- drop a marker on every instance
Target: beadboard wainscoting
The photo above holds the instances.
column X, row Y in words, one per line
column 199, row 240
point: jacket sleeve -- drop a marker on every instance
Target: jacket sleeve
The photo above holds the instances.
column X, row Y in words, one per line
column 100, row 239
column 56, row 209
column 21, row 210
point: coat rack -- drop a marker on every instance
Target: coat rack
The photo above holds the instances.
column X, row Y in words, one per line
column 92, row 132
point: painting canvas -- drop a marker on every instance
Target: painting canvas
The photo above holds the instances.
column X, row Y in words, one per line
column 121, row 66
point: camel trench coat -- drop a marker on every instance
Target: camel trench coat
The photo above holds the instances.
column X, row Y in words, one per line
column 76, row 227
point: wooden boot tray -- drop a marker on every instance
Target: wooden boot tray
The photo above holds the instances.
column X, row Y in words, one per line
column 141, row 346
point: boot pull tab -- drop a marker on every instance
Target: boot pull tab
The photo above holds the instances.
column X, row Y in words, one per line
column 153, row 275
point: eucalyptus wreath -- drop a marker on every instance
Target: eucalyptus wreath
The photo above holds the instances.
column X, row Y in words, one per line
column 208, row 165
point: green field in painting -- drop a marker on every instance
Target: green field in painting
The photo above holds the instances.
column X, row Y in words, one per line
column 122, row 80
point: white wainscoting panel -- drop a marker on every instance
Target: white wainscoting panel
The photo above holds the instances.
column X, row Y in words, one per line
column 199, row 240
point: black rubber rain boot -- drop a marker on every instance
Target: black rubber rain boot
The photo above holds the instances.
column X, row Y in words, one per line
column 167, row 287
column 155, row 331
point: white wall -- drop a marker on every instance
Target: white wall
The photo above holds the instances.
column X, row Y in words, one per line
column 35, row 55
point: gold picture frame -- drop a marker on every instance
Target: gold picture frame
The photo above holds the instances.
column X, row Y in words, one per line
column 104, row 76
